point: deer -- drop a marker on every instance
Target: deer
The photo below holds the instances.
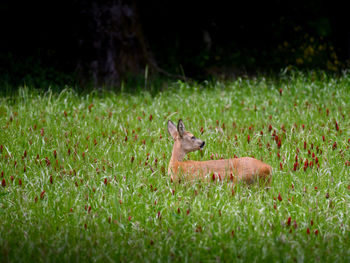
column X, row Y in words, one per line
column 246, row 169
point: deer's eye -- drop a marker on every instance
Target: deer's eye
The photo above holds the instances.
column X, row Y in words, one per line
column 193, row 137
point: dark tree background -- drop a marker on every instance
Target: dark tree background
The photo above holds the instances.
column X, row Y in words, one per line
column 104, row 42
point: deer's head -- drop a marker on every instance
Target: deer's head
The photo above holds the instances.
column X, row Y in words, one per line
column 186, row 140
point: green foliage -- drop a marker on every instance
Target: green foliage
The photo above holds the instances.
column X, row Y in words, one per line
column 84, row 177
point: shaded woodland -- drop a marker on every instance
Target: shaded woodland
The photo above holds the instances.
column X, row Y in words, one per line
column 105, row 42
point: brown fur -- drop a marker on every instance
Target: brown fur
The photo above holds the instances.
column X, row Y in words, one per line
column 245, row 169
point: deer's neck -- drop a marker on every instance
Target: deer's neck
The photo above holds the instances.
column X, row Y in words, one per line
column 177, row 155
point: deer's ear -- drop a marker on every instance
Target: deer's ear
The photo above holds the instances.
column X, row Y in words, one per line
column 172, row 129
column 181, row 128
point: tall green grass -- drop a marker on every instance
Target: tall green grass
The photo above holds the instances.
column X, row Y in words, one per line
column 84, row 177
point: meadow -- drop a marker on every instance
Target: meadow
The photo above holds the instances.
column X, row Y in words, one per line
column 84, row 176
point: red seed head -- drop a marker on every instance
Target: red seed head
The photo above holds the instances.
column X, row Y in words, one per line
column 312, row 222
column 248, row 138
column 3, row 182
column 289, row 221
column 42, row 132
column 305, row 145
column 20, row 182
column 308, row 231
column 281, row 91
column 42, row 194
column 316, row 232
column 55, row 154
column 188, row 211
column 231, row 177
column 281, row 166
column 336, row 126
column 279, row 197
column 296, row 164
column 334, row 145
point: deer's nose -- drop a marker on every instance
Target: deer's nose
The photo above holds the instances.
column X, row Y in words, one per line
column 202, row 145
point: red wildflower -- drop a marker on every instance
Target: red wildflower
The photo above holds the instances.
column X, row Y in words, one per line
column 334, row 145
column 3, row 182
column 316, row 232
column 289, row 221
column 308, row 231
column 295, row 166
column 42, row 194
column 279, row 197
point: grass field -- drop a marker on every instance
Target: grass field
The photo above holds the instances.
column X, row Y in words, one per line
column 84, row 177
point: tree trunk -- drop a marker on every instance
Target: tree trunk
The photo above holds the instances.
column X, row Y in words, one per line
column 110, row 40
